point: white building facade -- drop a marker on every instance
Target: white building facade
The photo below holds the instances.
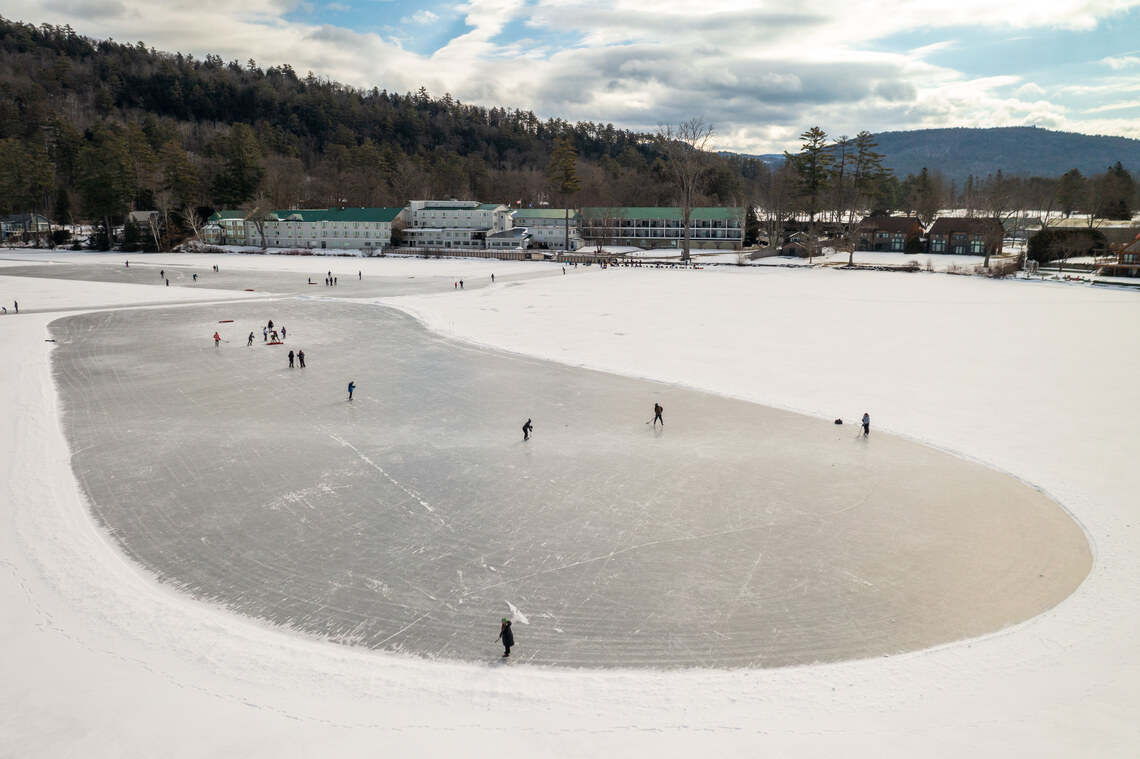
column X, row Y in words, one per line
column 547, row 227
column 454, row 223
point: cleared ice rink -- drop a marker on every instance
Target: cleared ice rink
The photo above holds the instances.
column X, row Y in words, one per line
column 414, row 517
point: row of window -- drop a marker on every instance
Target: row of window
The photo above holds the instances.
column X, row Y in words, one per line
column 324, row 224
column 313, row 235
column 977, row 246
column 671, row 234
column 661, row 223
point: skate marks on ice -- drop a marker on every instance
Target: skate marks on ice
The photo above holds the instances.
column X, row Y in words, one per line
column 413, row 519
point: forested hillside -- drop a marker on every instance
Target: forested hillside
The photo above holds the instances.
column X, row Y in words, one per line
column 92, row 129
column 98, row 127
column 1024, row 151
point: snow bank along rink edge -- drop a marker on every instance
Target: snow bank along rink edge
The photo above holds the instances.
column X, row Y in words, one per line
column 101, row 661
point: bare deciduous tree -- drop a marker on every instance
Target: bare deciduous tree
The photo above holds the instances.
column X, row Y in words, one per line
column 684, row 146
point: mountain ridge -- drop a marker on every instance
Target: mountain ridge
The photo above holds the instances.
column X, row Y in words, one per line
column 1029, row 151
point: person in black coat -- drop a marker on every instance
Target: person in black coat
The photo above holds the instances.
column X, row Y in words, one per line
column 506, row 636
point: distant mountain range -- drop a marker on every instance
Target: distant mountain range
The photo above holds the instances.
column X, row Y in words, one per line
column 1027, row 151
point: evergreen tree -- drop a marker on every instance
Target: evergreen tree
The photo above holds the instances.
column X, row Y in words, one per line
column 563, row 174
column 106, row 178
column 1115, row 194
column 1072, row 192
column 179, row 177
column 813, row 165
column 242, row 168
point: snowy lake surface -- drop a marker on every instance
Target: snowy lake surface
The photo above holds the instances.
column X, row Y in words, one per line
column 412, row 517
column 105, row 657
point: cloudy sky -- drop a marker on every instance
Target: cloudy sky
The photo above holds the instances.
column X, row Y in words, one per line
column 760, row 71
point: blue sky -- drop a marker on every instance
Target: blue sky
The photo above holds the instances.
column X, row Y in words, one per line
column 760, row 71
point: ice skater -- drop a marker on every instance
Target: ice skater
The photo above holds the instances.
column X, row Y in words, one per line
column 351, row 387
column 195, row 277
column 290, row 359
column 492, row 279
column 657, row 414
column 273, row 334
column 527, row 430
column 506, row 636
column 217, row 339
column 282, row 333
column 866, row 424
column 265, row 333
column 301, row 358
column 250, row 341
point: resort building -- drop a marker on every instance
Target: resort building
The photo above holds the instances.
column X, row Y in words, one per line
column 454, row 223
column 660, row 227
column 547, row 227
column 331, row 228
column 225, row 228
column 312, row 228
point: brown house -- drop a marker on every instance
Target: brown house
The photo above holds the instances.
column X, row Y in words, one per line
column 1127, row 262
column 965, row 237
column 887, row 233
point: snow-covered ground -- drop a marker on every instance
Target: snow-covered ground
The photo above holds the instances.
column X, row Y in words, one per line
column 1031, row 378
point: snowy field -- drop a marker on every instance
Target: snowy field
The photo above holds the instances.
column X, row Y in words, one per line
column 103, row 660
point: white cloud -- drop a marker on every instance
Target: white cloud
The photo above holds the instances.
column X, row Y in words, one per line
column 420, row 17
column 760, row 73
column 1121, row 62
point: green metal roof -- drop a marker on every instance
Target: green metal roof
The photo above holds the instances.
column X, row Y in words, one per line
column 224, row 215
column 668, row 213
column 544, row 213
column 339, row 214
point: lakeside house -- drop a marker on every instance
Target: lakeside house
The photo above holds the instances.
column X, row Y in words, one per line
column 965, row 236
column 888, row 233
column 1127, row 262
column 23, row 227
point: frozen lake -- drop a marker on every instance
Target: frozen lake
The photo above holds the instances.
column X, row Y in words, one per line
column 414, row 517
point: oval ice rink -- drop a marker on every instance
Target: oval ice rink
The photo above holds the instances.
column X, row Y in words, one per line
column 415, row 516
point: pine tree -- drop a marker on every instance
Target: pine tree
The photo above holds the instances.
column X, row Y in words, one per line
column 813, row 165
column 563, row 174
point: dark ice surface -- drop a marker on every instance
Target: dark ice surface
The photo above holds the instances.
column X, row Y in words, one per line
column 414, row 517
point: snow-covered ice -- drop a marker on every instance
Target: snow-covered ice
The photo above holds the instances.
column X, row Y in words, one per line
column 102, row 660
